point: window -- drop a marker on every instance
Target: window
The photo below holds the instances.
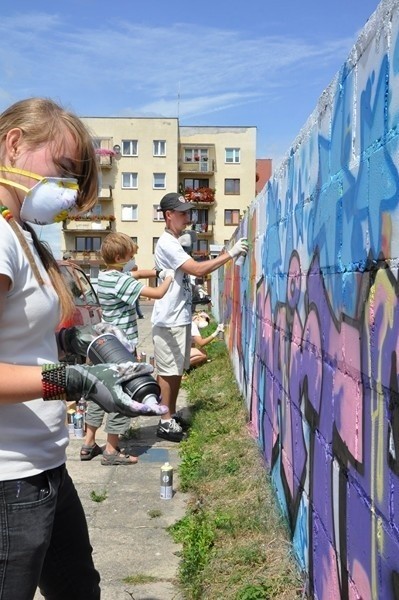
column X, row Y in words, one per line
column 157, row 216
column 231, row 186
column 104, row 143
column 232, row 217
column 202, row 245
column 134, row 239
column 195, row 154
column 159, row 148
column 87, row 244
column 196, row 183
column 154, row 243
column 129, row 181
column 232, row 155
column 129, row 212
column 129, row 148
column 159, row 182
column 200, row 216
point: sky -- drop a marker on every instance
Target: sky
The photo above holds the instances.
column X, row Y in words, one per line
column 261, row 63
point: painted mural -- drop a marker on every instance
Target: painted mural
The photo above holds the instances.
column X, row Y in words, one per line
column 313, row 330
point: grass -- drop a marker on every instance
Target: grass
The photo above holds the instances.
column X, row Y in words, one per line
column 235, row 543
column 98, row 496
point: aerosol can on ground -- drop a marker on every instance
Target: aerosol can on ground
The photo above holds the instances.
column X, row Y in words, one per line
column 166, row 481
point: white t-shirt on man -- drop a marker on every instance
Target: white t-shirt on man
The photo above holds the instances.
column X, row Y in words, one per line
column 174, row 309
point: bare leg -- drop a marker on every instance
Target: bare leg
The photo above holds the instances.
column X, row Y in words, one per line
column 197, row 357
column 169, row 390
column 90, row 438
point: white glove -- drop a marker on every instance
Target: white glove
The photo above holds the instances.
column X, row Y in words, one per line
column 219, row 328
column 240, row 247
column 166, row 273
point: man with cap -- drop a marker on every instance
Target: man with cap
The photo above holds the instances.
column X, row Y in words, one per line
column 172, row 315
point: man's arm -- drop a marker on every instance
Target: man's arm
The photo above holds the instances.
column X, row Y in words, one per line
column 201, row 268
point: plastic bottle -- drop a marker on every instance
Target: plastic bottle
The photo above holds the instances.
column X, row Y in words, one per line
column 166, row 482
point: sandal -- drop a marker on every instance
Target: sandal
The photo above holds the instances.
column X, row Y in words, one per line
column 89, row 452
column 117, row 458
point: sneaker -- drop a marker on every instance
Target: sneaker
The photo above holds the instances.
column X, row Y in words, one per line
column 181, row 421
column 170, row 431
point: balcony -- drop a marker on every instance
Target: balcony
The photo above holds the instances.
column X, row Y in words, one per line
column 200, row 255
column 104, row 157
column 200, row 166
column 89, row 223
column 105, row 194
column 201, row 196
column 204, row 230
column 84, row 257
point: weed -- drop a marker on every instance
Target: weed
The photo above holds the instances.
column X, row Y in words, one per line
column 139, row 579
column 235, row 542
column 154, row 513
column 98, row 496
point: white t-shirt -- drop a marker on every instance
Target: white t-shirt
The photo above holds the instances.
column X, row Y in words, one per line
column 33, row 435
column 174, row 309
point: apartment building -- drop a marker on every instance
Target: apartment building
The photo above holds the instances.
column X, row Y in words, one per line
column 140, row 160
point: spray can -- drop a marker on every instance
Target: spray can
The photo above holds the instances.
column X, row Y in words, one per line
column 240, row 260
column 152, row 361
column 70, row 416
column 78, row 425
column 166, row 481
column 82, row 409
column 143, row 357
column 220, row 335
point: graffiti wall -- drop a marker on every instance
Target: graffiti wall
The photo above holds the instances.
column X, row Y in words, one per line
column 313, row 329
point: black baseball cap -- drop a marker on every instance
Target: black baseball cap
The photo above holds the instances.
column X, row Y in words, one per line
column 174, row 201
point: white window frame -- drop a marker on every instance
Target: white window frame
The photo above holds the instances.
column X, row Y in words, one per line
column 232, row 155
column 157, row 216
column 129, row 148
column 134, row 180
column 162, row 184
column 159, row 148
column 125, row 208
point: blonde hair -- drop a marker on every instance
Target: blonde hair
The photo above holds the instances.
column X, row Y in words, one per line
column 42, row 121
column 117, row 244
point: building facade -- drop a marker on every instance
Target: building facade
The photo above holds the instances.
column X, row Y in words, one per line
column 140, row 160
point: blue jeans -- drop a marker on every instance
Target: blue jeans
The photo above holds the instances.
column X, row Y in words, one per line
column 44, row 540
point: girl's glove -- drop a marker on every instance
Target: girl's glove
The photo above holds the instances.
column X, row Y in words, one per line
column 219, row 328
column 103, row 384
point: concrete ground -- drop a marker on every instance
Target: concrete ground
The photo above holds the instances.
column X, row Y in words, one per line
column 128, row 529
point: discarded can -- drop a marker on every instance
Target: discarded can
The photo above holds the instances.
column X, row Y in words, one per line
column 166, row 481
